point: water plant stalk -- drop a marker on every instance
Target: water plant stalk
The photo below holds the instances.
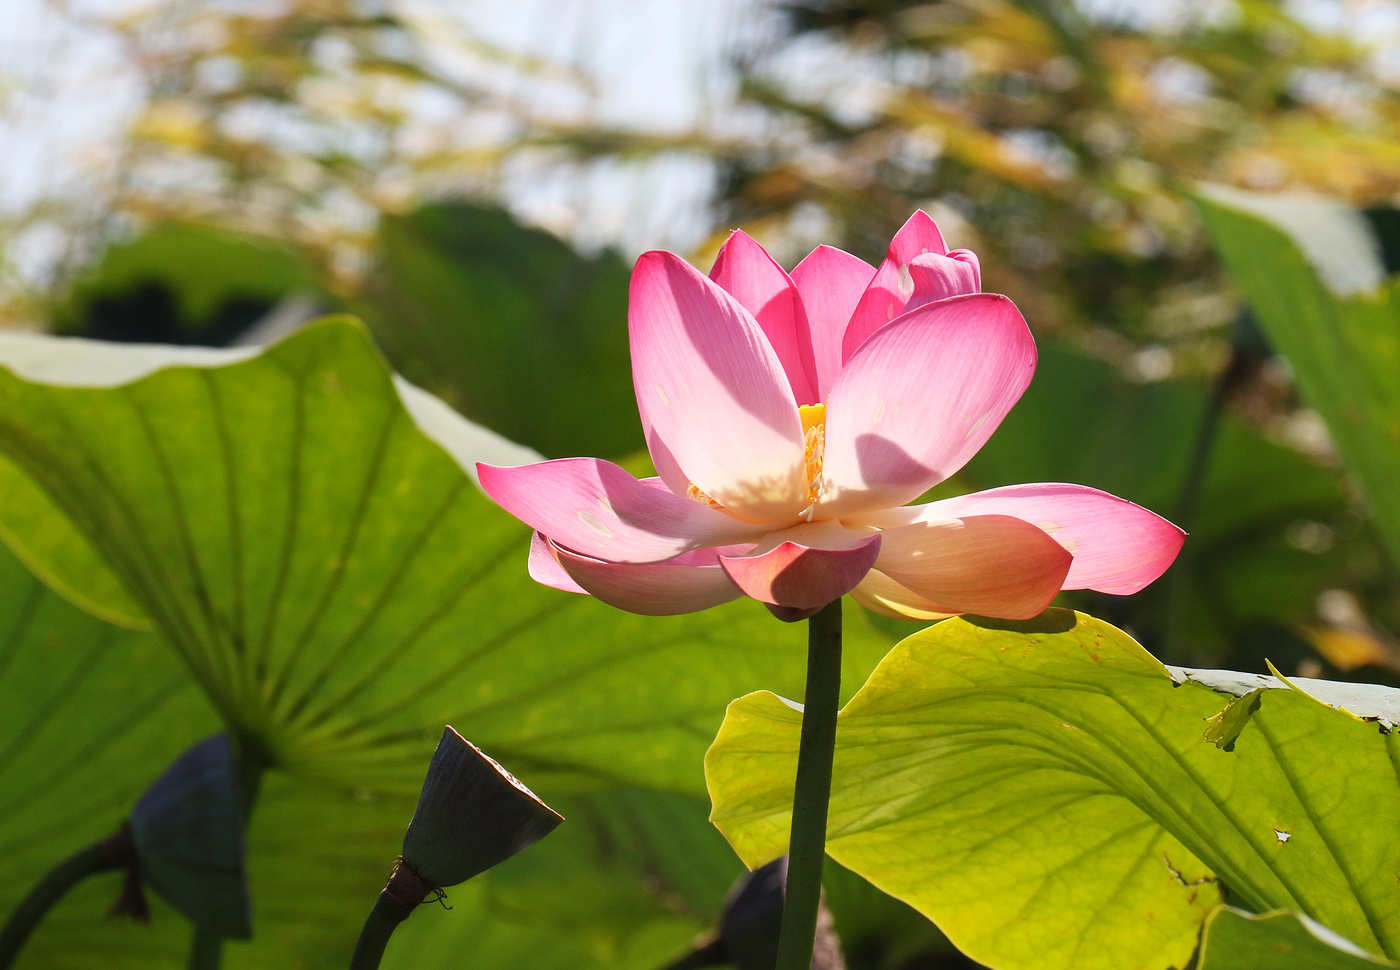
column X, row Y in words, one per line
column 206, row 950
column 102, row 856
column 388, row 912
column 812, row 791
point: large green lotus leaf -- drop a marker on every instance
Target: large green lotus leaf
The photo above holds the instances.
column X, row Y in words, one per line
column 479, row 932
column 1313, row 274
column 52, row 547
column 1045, row 793
column 91, row 714
column 1234, row 940
column 305, row 533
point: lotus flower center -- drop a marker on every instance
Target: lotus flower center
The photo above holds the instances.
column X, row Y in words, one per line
column 693, row 493
column 813, row 447
column 813, row 418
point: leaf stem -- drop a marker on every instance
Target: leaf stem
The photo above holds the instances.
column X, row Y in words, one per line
column 812, row 791
column 387, row 914
column 98, row 857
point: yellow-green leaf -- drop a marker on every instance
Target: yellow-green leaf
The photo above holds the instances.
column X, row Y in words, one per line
column 1236, row 940
column 1046, row 794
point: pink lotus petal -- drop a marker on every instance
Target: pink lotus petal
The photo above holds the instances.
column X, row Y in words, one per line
column 830, row 283
column 713, row 391
column 690, row 582
column 892, row 286
column 880, row 594
column 919, row 398
column 1118, row 547
column 746, row 271
column 545, row 569
column 993, row 565
column 596, row 509
column 939, row 277
column 667, row 468
column 806, row 567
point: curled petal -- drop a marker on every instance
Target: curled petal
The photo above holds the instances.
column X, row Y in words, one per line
column 1118, row 547
column 801, row 577
column 544, row 568
column 879, row 593
column 939, row 277
column 830, row 283
column 993, row 565
column 711, row 389
column 688, row 583
column 892, row 285
column 596, row 509
column 746, row 271
column 919, row 398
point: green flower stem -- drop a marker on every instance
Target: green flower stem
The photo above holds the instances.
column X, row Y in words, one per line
column 387, row 914
column 98, row 857
column 807, row 844
column 206, row 950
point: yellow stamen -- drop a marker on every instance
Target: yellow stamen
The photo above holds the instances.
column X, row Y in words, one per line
column 814, row 446
column 695, row 494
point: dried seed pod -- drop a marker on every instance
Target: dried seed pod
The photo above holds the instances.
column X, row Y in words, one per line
column 188, row 833
column 753, row 917
column 752, row 921
column 472, row 815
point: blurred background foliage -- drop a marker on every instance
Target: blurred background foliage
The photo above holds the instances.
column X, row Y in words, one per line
column 478, row 204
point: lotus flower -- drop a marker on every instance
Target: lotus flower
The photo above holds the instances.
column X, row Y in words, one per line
column 792, row 417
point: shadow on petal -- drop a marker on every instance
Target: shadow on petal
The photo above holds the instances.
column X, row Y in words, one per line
column 884, row 464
